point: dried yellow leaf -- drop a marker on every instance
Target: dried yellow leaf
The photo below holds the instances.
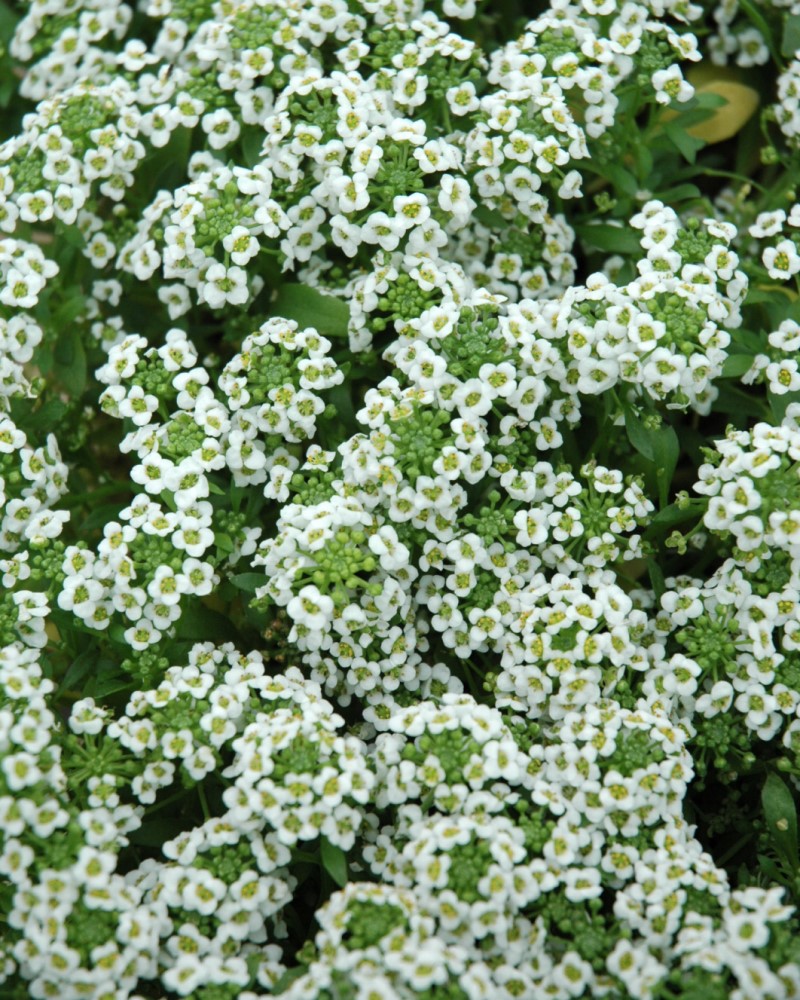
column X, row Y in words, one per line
column 731, row 117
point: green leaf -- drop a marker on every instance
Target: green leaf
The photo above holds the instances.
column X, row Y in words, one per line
column 736, row 403
column 683, row 192
column 69, row 310
column 639, row 436
column 111, row 683
column 644, row 160
column 623, row 180
column 252, row 145
column 705, row 101
column 659, row 446
column 78, row 669
column 156, row 832
column 224, row 542
column 70, row 361
column 287, row 979
column 768, row 867
column 606, row 236
column 199, row 623
column 656, row 577
column 686, row 144
column 70, row 235
column 45, row 418
column 781, row 816
column 8, row 84
column 752, row 342
column 8, row 22
column 334, row 861
column 666, row 452
column 791, row 36
column 672, row 515
column 248, row 581
column 101, row 515
column 778, row 404
column 736, row 365
column 327, row 314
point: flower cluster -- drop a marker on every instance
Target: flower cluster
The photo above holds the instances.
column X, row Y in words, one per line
column 399, row 500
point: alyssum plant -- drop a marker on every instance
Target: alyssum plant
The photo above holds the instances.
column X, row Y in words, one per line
column 399, row 500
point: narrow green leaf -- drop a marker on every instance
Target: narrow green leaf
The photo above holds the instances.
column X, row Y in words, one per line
column 666, row 451
column 778, row 404
column 781, row 816
column 791, row 36
column 286, row 980
column 672, row 515
column 248, row 582
column 70, row 361
column 683, row 192
column 157, row 831
column 705, row 100
column 101, row 515
column 686, row 144
column 644, row 160
column 736, row 365
column 308, row 307
column 658, row 445
column 200, row 623
column 605, row 236
column 112, row 684
column 252, row 144
column 656, row 578
column 78, row 669
column 334, row 861
column 45, row 418
column 8, row 22
column 224, row 542
column 623, row 180
column 69, row 310
column 639, row 436
column 736, row 403
column 768, row 867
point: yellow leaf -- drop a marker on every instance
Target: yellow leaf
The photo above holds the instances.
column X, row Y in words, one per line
column 731, row 117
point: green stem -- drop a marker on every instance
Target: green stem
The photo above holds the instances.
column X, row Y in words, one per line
column 167, row 802
column 109, row 490
column 732, row 851
column 736, row 177
column 201, row 794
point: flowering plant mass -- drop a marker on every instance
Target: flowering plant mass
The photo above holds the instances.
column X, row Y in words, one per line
column 399, row 499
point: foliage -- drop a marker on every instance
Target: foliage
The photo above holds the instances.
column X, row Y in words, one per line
column 399, row 499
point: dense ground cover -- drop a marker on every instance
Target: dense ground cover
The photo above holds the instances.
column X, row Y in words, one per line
column 399, row 499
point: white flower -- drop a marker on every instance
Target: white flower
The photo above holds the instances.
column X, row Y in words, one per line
column 223, row 285
column 221, row 128
column 781, row 261
column 142, row 634
column 389, row 549
column 462, row 99
column 670, row 85
column 311, row 609
column 241, row 245
column 21, row 288
column 138, row 406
